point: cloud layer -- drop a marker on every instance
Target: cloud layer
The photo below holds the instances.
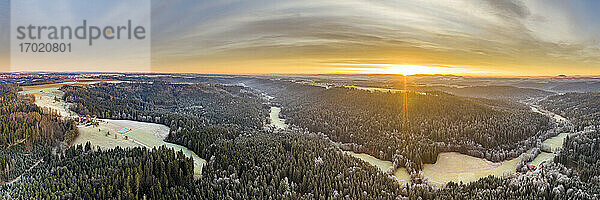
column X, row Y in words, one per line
column 504, row 37
column 500, row 36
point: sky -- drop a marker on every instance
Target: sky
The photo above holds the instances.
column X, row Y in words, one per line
column 467, row 37
column 87, row 54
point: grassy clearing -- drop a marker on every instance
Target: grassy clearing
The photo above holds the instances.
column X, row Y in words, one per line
column 401, row 174
column 456, row 167
column 275, row 120
column 541, row 158
column 556, row 142
column 381, row 164
column 46, row 95
column 105, row 134
column 143, row 134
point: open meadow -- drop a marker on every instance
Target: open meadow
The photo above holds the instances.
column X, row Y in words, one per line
column 456, row 167
column 105, row 134
column 401, row 174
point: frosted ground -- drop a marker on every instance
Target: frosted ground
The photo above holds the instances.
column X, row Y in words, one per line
column 401, row 174
column 451, row 166
column 105, row 135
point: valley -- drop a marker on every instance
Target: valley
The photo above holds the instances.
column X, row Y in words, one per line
column 105, row 134
column 427, row 144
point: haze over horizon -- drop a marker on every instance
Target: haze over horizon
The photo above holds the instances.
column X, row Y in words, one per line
column 475, row 38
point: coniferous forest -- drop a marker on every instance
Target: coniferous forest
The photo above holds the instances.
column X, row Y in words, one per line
column 300, row 100
column 224, row 124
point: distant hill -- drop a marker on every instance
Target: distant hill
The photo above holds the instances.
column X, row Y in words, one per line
column 494, row 92
column 577, row 87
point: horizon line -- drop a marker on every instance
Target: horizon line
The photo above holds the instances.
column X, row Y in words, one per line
column 566, row 76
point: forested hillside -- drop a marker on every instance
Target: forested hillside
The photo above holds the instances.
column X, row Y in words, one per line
column 574, row 173
column 583, row 109
column 554, row 181
column 83, row 173
column 197, row 114
column 263, row 166
column 246, row 161
column 411, row 128
column 242, row 162
column 27, row 132
column 22, row 121
column 291, row 166
column 494, row 92
column 209, row 104
column 580, row 150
